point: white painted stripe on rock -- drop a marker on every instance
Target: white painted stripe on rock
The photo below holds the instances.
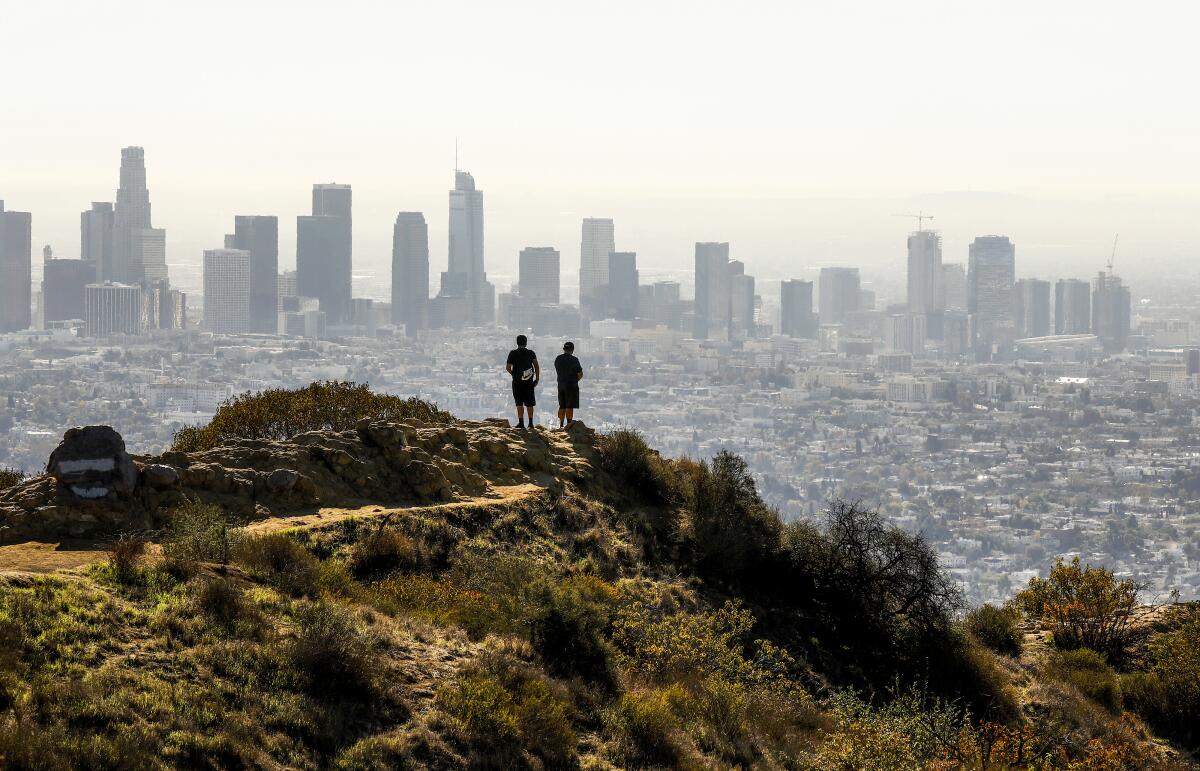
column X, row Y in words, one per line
column 87, row 464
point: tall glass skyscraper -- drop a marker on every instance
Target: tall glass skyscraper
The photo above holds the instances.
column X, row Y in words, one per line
column 991, row 273
column 713, row 292
column 139, row 249
column 465, row 275
column 16, row 268
column 410, row 271
column 924, row 272
column 324, row 251
column 597, row 242
column 259, row 235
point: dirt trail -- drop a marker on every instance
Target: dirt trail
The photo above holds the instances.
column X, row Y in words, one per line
column 51, row 557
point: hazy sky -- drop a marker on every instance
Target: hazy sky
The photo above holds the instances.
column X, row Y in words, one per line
column 793, row 129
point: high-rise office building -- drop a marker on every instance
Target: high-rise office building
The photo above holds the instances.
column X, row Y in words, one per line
column 96, row 238
column 905, row 332
column 227, row 291
column 16, row 270
column 332, row 200
column 925, row 272
column 991, row 270
column 796, row 309
column 598, row 241
column 410, row 271
column 63, row 287
column 1033, row 307
column 539, row 275
column 112, row 309
column 259, row 235
column 466, row 277
column 324, row 252
column 139, row 250
column 713, row 293
column 742, row 323
column 1111, row 309
column 150, row 250
column 1072, row 307
column 839, row 294
column 665, row 306
column 286, row 287
column 954, row 286
column 622, row 285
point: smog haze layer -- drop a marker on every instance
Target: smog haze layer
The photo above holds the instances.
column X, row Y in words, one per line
column 792, row 132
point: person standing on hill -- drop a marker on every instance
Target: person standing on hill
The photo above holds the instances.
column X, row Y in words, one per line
column 526, row 374
column 569, row 374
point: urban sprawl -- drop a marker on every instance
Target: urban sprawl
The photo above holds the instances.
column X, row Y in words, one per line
column 1010, row 420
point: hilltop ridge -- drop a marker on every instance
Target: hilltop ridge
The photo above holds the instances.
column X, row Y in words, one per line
column 390, row 591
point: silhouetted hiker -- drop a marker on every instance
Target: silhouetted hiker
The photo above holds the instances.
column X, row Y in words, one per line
column 569, row 374
column 526, row 374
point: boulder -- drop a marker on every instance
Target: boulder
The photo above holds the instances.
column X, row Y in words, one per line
column 91, row 462
column 160, row 476
column 282, row 480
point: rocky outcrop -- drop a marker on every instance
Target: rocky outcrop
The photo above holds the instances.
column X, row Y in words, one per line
column 377, row 462
column 91, row 463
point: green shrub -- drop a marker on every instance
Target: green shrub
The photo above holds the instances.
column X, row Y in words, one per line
column 645, row 726
column 439, row 601
column 10, row 477
column 1084, row 607
column 503, row 708
column 997, row 628
column 281, row 561
column 730, row 528
column 331, row 651
column 643, row 472
column 281, row 414
column 1168, row 694
column 125, row 556
column 669, row 647
column 199, row 532
column 221, row 600
column 384, row 551
column 570, row 633
column 1088, row 671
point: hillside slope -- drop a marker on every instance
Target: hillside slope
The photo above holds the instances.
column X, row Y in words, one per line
column 451, row 594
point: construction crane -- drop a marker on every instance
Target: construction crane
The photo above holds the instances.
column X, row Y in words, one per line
column 1112, row 257
column 920, row 217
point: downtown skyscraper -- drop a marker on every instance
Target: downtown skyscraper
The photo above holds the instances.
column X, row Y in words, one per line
column 16, row 270
column 1032, row 296
column 410, row 271
column 622, row 285
column 1072, row 307
column 539, row 275
column 839, row 294
column 1111, row 310
column 796, row 309
column 991, row 273
column 598, row 241
column 714, row 296
column 96, row 238
column 227, row 297
column 324, row 251
column 465, row 277
column 259, row 237
column 139, row 250
column 925, row 272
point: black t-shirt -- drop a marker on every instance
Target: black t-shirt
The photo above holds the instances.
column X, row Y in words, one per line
column 568, row 369
column 522, row 360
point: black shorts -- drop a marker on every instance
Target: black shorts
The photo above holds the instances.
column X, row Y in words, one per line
column 523, row 393
column 568, row 397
